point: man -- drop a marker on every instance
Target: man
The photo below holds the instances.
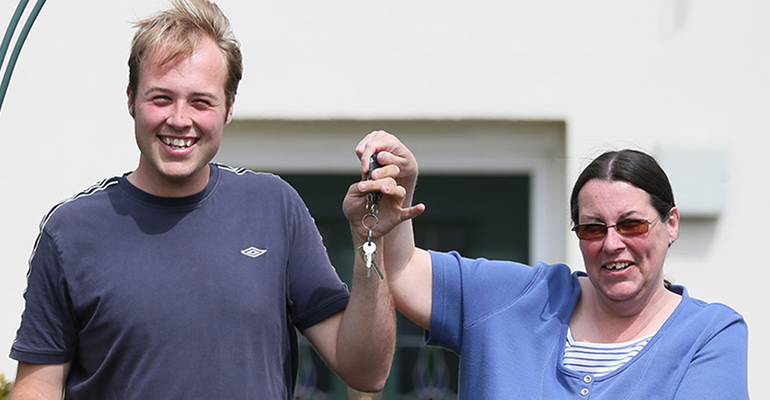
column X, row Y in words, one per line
column 186, row 279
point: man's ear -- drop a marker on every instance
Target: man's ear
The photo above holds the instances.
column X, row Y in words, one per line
column 229, row 117
column 130, row 101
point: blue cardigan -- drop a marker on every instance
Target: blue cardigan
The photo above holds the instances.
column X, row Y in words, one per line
column 508, row 322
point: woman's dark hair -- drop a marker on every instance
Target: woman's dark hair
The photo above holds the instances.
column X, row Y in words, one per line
column 634, row 167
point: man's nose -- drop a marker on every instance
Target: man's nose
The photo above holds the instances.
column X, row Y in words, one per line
column 179, row 117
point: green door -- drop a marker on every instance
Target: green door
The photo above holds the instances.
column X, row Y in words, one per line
column 477, row 215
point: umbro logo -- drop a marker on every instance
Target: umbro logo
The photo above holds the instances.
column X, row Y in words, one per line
column 253, row 252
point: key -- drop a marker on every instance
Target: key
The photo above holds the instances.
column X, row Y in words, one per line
column 367, row 259
column 368, row 250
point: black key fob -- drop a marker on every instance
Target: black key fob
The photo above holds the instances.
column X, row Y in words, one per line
column 373, row 164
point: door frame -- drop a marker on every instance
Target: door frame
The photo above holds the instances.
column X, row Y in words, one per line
column 472, row 146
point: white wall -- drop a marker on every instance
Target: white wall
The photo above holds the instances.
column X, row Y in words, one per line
column 641, row 74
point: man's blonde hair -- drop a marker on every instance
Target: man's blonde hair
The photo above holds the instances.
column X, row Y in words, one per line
column 174, row 33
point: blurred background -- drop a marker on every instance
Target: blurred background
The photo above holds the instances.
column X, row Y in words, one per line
column 502, row 102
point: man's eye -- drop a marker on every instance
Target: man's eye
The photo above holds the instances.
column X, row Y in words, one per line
column 201, row 104
column 161, row 100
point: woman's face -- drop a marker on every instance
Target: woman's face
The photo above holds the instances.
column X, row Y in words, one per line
column 619, row 267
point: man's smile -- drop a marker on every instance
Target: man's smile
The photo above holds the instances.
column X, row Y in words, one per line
column 178, row 143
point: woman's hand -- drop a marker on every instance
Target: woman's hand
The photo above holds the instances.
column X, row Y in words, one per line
column 390, row 151
column 390, row 211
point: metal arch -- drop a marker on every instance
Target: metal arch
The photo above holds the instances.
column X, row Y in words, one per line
column 19, row 42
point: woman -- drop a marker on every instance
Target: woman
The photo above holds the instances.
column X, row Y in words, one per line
column 617, row 331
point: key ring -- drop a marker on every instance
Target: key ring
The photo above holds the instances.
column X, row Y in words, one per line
column 367, row 227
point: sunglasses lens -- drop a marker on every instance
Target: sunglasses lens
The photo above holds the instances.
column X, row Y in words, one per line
column 632, row 227
column 629, row 227
column 590, row 231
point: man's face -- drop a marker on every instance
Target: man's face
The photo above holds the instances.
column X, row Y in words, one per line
column 179, row 112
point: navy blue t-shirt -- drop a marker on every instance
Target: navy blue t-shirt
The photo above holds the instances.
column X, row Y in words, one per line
column 170, row 298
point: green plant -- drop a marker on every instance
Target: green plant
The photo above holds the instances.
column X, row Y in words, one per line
column 5, row 387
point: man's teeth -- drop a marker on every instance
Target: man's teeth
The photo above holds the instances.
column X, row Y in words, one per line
column 178, row 142
column 617, row 266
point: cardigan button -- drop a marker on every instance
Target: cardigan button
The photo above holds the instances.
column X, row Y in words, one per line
column 588, row 379
column 584, row 392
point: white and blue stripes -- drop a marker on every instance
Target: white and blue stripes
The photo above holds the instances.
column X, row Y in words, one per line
column 236, row 170
column 97, row 187
column 599, row 359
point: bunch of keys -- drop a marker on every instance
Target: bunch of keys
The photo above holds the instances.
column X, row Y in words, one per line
column 369, row 249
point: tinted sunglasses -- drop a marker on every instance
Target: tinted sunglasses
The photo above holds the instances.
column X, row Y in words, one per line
column 626, row 227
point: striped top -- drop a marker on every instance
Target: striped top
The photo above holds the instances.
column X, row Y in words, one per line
column 599, row 359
